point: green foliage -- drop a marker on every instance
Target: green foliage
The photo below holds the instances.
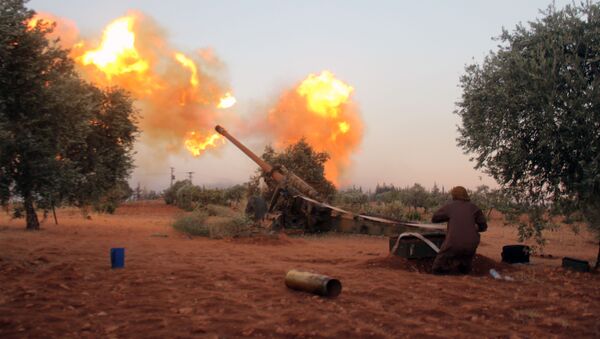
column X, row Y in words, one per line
column 214, row 222
column 227, row 222
column 436, row 198
column 235, row 193
column 392, row 210
column 488, row 199
column 143, row 194
column 221, row 211
column 412, row 197
column 414, row 215
column 110, row 200
column 211, row 196
column 61, row 139
column 386, row 194
column 190, row 197
column 301, row 159
column 415, row 197
column 531, row 115
column 193, row 224
column 170, row 194
column 187, row 197
column 353, row 197
column 238, row 226
column 389, row 201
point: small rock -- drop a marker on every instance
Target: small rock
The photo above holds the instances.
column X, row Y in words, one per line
column 111, row 328
column 185, row 310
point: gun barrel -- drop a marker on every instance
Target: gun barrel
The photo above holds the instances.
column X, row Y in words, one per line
column 260, row 162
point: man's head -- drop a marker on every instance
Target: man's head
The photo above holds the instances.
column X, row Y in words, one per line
column 459, row 193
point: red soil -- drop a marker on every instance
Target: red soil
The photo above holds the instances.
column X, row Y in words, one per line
column 58, row 283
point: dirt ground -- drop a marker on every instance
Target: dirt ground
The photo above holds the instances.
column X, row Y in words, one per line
column 58, row 283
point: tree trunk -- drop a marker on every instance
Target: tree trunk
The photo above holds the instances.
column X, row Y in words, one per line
column 489, row 213
column 33, row 223
column 54, row 213
column 598, row 258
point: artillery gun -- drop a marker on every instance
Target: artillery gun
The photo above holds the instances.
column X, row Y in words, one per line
column 297, row 205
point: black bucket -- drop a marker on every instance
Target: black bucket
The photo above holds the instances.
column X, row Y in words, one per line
column 515, row 254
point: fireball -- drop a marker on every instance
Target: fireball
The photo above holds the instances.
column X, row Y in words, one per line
column 324, row 93
column 177, row 92
column 320, row 110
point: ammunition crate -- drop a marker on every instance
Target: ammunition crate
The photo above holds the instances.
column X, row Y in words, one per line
column 576, row 264
column 411, row 247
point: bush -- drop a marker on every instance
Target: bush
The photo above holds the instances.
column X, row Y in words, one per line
column 414, row 215
column 392, row 210
column 190, row 197
column 235, row 193
column 187, row 196
column 351, row 197
column 229, row 227
column 221, row 211
column 193, row 224
column 210, row 196
column 170, row 194
column 109, row 202
column 214, row 222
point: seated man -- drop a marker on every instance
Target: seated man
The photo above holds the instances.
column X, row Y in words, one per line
column 465, row 221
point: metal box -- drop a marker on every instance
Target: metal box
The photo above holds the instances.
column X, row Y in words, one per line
column 411, row 247
column 576, row 264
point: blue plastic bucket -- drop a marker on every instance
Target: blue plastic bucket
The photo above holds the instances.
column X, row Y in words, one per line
column 117, row 257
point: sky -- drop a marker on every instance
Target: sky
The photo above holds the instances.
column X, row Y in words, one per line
column 403, row 59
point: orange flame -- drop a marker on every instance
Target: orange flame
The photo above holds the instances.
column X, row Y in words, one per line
column 197, row 144
column 32, row 23
column 320, row 110
column 188, row 63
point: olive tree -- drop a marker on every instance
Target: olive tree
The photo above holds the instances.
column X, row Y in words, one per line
column 301, row 159
column 61, row 139
column 530, row 114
